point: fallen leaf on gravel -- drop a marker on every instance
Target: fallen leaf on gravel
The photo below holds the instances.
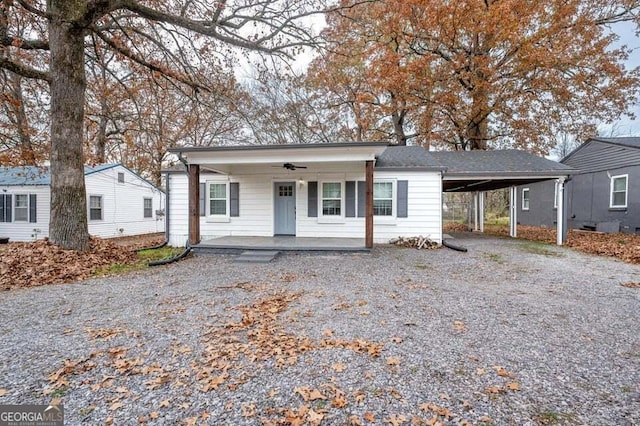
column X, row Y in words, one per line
column 338, row 367
column 115, row 406
column 396, row 339
column 481, row 371
column 309, row 394
column 631, row 285
column 248, row 410
column 154, row 415
column 165, row 403
column 394, row 393
column 327, row 333
column 459, row 326
column 354, row 421
column 502, row 372
column 493, row 389
column 272, row 393
column 369, row 417
column 514, row 386
column 3, row 392
column 393, row 360
column 314, row 418
column 396, row 419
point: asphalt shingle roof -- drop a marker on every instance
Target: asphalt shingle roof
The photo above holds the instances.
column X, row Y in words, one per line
column 31, row 175
column 633, row 142
column 407, row 157
column 498, row 162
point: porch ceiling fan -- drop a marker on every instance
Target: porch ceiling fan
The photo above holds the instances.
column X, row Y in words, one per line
column 291, row 166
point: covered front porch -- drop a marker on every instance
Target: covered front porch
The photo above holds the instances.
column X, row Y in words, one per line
column 296, row 197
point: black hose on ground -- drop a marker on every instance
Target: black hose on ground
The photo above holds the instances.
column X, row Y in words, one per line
column 152, row 248
column 182, row 255
column 452, row 246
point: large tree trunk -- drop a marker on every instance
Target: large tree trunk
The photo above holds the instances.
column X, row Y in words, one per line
column 68, row 224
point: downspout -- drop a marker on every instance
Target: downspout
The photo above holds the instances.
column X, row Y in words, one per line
column 187, row 247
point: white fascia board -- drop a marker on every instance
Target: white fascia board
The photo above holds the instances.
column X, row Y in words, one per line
column 310, row 155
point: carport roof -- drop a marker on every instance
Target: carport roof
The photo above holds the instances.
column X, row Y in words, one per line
column 487, row 170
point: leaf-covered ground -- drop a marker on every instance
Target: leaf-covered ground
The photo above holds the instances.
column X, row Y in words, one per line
column 625, row 247
column 41, row 263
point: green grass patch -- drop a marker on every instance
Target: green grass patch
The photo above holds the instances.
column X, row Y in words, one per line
column 495, row 257
column 542, row 249
column 144, row 257
column 166, row 252
column 497, row 221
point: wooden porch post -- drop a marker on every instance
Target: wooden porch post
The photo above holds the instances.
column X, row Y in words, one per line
column 194, row 204
column 368, row 219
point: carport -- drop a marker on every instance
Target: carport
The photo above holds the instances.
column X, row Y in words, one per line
column 480, row 171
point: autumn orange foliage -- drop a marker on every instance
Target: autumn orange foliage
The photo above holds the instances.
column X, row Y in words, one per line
column 475, row 74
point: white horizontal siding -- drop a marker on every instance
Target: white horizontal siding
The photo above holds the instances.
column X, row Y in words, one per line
column 26, row 231
column 257, row 206
column 123, row 205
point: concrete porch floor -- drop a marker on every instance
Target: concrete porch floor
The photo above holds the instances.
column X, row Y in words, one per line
column 284, row 243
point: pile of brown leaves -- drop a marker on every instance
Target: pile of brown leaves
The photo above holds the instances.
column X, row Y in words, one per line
column 41, row 263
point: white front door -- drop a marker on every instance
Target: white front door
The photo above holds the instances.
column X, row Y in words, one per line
column 285, row 208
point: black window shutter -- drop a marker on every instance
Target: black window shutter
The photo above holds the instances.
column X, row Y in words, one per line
column 312, row 199
column 234, row 199
column 2, row 196
column 362, row 192
column 403, row 199
column 203, row 206
column 7, row 208
column 350, row 193
column 33, row 218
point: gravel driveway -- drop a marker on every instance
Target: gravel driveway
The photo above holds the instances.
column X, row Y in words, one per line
column 509, row 333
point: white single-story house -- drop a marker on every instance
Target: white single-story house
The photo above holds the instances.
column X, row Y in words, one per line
column 119, row 202
column 365, row 192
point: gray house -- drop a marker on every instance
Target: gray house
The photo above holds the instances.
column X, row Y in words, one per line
column 604, row 195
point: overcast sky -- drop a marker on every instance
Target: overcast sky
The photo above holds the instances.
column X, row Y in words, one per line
column 627, row 127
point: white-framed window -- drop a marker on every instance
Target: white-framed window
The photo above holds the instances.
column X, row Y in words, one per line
column 120, row 177
column 383, row 198
column 21, row 208
column 148, row 207
column 331, row 203
column 218, row 196
column 95, row 207
column 525, row 199
column 619, row 188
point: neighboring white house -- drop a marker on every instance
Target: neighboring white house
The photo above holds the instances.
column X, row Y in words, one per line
column 119, row 202
column 320, row 190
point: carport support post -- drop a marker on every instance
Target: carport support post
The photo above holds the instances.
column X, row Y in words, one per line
column 513, row 212
column 481, row 210
column 194, row 204
column 476, row 204
column 368, row 205
column 560, row 212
